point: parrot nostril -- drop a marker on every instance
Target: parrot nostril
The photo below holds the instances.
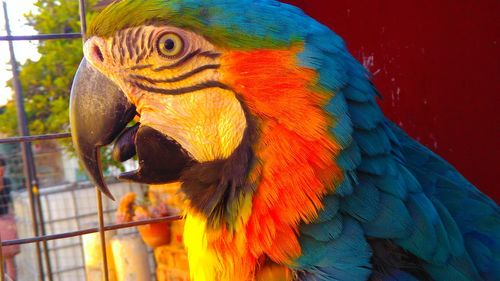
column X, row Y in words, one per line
column 97, row 53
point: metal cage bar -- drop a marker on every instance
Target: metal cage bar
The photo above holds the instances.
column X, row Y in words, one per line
column 102, row 234
column 41, row 37
column 27, row 155
column 35, row 138
column 87, row 231
column 26, row 138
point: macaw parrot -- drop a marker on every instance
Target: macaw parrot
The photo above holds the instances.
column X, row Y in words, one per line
column 286, row 161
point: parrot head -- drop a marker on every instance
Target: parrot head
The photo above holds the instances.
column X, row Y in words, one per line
column 169, row 78
column 218, row 87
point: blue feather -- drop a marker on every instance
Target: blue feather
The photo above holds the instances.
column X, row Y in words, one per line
column 457, row 269
column 346, row 258
column 311, row 57
column 454, row 236
column 349, row 255
column 414, row 156
column 323, row 231
column 364, row 203
column 390, row 134
column 360, row 88
column 373, row 142
column 332, row 75
column 337, row 106
column 393, row 220
column 394, row 185
column 342, row 131
column 346, row 186
column 423, row 240
column 331, row 205
column 326, row 40
column 480, row 253
column 464, row 212
column 313, row 251
column 366, row 115
column 378, row 165
column 427, row 181
column 442, row 252
column 411, row 182
column 349, row 158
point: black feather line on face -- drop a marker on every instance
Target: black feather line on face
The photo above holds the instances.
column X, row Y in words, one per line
column 181, row 62
column 209, row 54
column 214, row 187
column 121, row 46
column 151, row 45
column 141, row 66
column 143, row 49
column 179, row 91
column 130, row 43
column 113, row 42
column 177, row 78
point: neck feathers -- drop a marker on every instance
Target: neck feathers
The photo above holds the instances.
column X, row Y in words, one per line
column 247, row 208
column 217, row 189
column 295, row 154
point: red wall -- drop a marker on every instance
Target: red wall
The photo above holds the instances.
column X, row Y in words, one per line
column 437, row 64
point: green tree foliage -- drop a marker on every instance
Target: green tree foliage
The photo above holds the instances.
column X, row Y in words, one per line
column 47, row 82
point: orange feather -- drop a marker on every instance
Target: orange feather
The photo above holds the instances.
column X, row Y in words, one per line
column 295, row 155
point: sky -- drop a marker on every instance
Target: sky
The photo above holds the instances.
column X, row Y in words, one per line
column 23, row 49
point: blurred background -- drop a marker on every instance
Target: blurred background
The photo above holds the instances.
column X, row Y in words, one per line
column 436, row 64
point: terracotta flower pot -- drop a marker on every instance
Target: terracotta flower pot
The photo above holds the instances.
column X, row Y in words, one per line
column 156, row 234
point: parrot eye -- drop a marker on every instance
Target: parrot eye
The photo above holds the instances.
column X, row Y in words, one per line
column 170, row 45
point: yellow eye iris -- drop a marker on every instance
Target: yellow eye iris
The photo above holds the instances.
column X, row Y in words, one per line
column 170, row 45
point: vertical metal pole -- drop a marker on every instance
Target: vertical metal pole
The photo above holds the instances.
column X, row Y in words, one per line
column 102, row 234
column 78, row 225
column 2, row 263
column 83, row 19
column 49, row 219
column 26, row 147
column 46, row 255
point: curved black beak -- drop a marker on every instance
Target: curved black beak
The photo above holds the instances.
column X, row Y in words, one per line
column 99, row 111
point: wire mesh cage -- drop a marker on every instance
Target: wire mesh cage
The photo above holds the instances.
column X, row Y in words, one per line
column 54, row 219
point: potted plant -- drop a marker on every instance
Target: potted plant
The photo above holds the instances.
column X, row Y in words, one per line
column 130, row 209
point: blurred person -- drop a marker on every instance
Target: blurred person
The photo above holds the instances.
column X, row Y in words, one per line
column 8, row 230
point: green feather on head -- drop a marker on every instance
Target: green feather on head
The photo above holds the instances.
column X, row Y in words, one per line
column 225, row 23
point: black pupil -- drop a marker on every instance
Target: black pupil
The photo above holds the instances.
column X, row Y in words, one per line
column 169, row 44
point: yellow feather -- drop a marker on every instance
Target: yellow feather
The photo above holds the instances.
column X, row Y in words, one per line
column 219, row 255
column 209, row 123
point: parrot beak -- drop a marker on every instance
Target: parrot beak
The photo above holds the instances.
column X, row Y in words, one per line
column 99, row 112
